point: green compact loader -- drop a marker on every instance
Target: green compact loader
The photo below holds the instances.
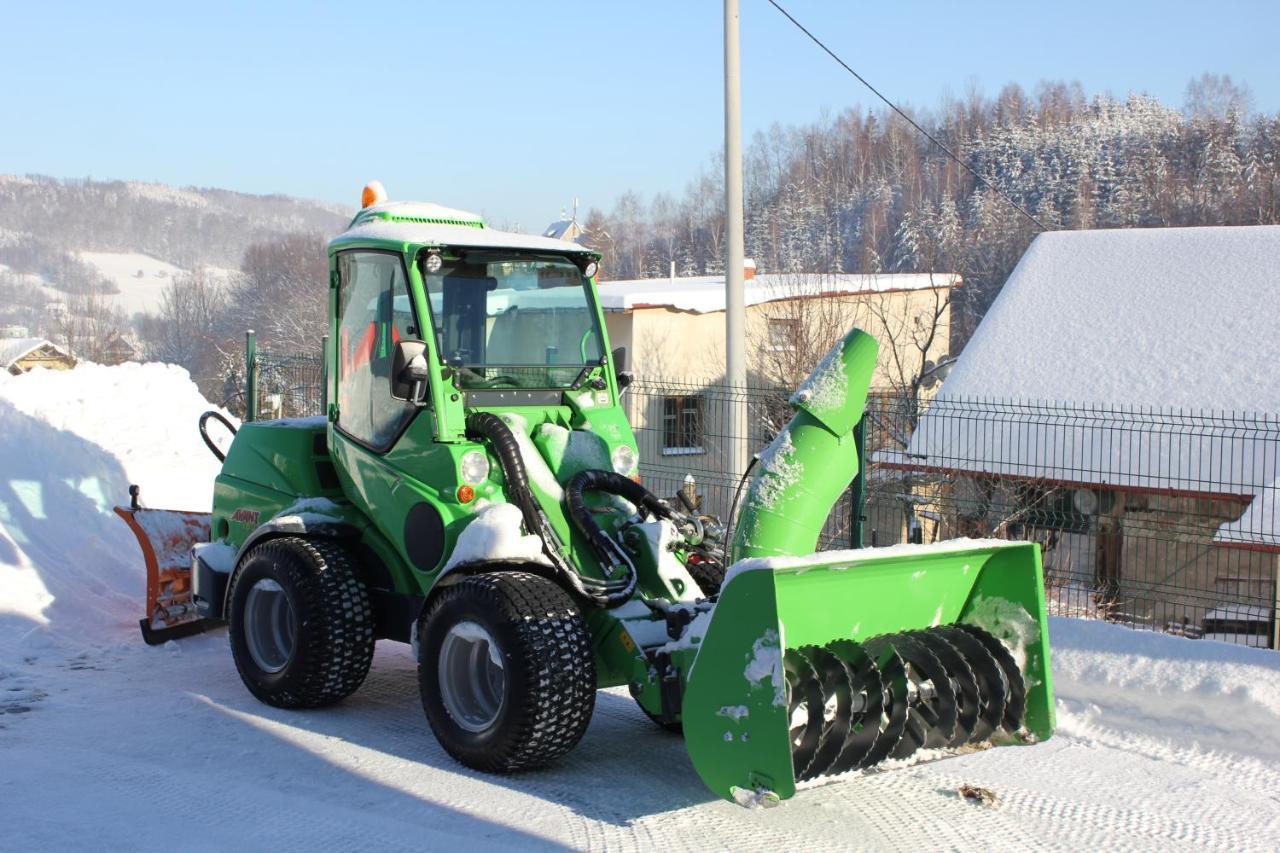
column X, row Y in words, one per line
column 473, row 489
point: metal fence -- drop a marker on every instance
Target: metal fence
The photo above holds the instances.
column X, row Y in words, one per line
column 1163, row 520
column 282, row 385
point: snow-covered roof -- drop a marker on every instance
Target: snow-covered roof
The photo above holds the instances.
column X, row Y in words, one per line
column 1259, row 528
column 705, row 294
column 1142, row 316
column 1145, row 339
column 434, row 225
column 13, row 349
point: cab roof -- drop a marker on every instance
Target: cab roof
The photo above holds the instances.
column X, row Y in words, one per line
column 404, row 223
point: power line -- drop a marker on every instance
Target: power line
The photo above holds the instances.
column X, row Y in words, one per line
column 908, row 118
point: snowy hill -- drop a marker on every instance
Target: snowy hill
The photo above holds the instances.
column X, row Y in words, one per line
column 71, row 236
column 1163, row 743
column 189, row 226
column 142, row 279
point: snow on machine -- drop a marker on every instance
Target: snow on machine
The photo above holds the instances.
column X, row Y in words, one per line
column 473, row 489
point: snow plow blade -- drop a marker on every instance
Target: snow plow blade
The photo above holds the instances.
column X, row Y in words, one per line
column 820, row 665
column 166, row 537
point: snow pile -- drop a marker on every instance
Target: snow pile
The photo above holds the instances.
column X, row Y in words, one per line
column 1008, row 622
column 535, row 466
column 779, row 470
column 495, row 535
column 1213, row 695
column 827, row 386
column 765, row 664
column 71, row 443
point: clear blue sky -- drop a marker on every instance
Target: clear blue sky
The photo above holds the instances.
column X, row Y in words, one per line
column 513, row 108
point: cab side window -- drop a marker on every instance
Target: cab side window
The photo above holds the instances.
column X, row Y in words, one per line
column 374, row 314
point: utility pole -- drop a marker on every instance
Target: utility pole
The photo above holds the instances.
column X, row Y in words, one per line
column 735, row 299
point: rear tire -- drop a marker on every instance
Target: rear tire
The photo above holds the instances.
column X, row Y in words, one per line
column 708, row 576
column 506, row 671
column 300, row 623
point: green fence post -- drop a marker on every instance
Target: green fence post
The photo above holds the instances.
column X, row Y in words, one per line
column 858, row 488
column 250, row 376
column 324, row 375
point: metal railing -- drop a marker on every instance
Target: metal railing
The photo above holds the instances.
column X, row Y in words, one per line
column 1159, row 519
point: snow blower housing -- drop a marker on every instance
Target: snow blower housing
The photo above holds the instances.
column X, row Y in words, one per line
column 473, row 489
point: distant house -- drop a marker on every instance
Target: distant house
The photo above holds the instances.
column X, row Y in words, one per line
column 673, row 330
column 566, row 227
column 117, row 349
column 1121, row 370
column 18, row 355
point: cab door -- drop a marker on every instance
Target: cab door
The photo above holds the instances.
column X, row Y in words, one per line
column 383, row 447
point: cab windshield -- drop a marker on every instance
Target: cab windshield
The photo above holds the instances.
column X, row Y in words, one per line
column 513, row 321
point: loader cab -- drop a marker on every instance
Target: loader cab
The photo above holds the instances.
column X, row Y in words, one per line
column 433, row 316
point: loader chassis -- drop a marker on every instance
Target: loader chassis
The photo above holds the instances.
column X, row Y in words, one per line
column 472, row 489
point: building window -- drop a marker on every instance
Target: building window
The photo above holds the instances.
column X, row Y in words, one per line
column 783, row 335
column 682, row 425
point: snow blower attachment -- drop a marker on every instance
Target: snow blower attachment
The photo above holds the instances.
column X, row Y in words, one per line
column 474, row 489
column 821, row 663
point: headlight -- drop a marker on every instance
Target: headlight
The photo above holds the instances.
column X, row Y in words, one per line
column 474, row 467
column 624, row 460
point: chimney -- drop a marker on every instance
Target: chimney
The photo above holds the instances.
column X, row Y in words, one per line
column 748, row 269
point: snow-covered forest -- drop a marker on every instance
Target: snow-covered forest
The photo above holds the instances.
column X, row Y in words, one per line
column 862, row 191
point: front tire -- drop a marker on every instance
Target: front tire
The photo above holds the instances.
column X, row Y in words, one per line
column 300, row 623
column 506, row 671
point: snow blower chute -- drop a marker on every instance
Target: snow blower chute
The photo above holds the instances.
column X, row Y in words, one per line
column 473, row 489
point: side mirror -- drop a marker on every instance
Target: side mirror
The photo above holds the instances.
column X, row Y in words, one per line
column 410, row 371
column 623, row 377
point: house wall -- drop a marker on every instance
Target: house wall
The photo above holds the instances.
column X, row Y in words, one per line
column 49, row 361
column 674, row 352
column 684, row 346
column 1167, row 571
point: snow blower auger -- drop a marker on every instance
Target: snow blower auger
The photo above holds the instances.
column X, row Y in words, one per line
column 473, row 490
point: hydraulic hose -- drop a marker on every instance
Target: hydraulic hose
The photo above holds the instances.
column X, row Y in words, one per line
column 609, row 593
column 611, row 555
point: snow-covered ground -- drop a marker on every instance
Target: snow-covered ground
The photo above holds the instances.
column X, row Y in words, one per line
column 142, row 278
column 1163, row 743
